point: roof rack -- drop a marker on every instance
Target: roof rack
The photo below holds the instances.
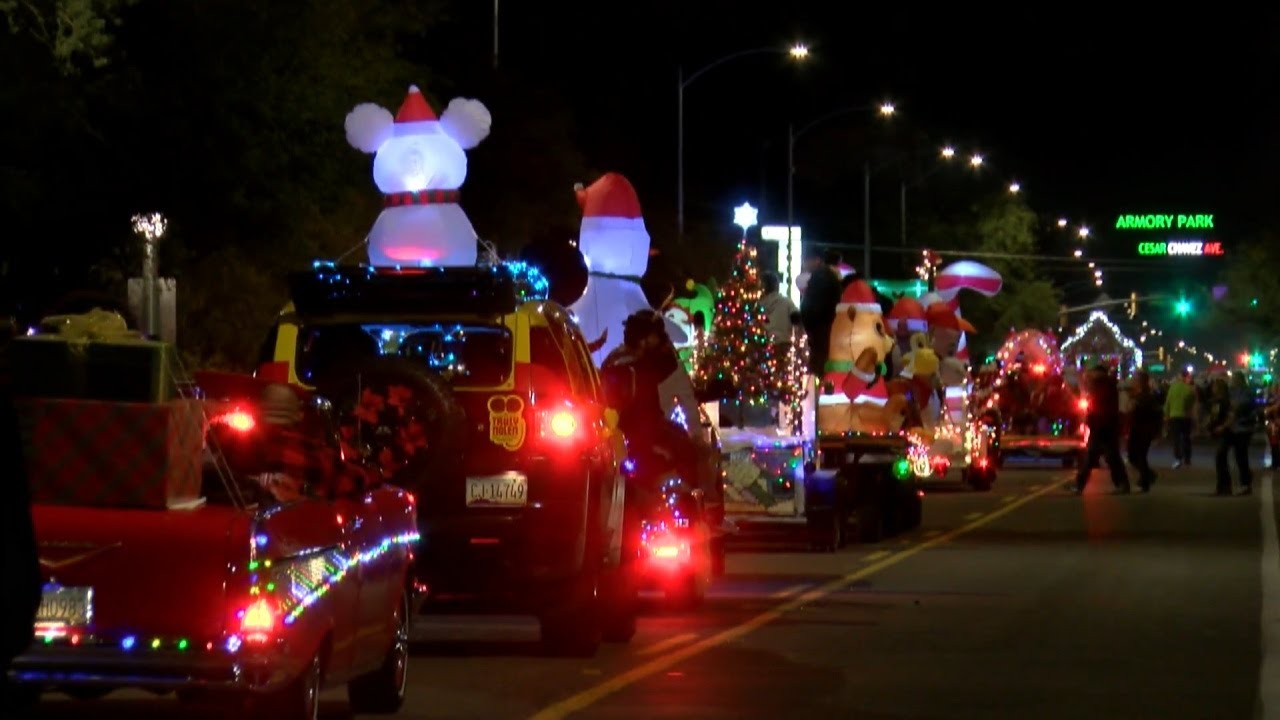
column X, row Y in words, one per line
column 330, row 289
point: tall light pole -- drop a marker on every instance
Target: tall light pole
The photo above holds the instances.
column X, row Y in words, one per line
column 884, row 109
column 796, row 52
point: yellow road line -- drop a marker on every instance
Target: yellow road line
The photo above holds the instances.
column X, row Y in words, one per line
column 877, row 555
column 1008, row 498
column 933, row 533
column 973, row 516
column 667, row 644
column 788, row 592
column 592, row 695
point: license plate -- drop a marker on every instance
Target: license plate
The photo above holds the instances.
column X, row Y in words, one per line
column 506, row 490
column 65, row 606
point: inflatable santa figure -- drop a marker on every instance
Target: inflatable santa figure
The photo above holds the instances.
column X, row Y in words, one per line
column 419, row 163
column 615, row 244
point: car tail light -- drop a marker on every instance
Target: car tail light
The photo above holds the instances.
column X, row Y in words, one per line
column 258, row 622
column 667, row 551
column 237, row 420
column 1083, row 404
column 561, row 424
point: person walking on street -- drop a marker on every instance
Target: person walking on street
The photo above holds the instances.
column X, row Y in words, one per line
column 1235, row 432
column 1179, row 407
column 1145, row 418
column 1104, row 430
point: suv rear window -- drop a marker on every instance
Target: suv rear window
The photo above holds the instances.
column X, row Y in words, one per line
column 465, row 355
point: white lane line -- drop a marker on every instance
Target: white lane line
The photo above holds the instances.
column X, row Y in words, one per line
column 1269, row 678
column 667, row 644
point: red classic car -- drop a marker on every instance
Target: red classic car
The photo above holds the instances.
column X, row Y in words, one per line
column 233, row 596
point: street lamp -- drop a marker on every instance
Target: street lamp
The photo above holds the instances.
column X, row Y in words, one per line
column 1078, row 252
column 1062, row 222
column 884, row 109
column 1014, row 187
column 798, row 52
column 976, row 160
column 948, row 152
column 1084, row 231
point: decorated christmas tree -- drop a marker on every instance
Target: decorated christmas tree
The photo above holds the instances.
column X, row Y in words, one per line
column 738, row 363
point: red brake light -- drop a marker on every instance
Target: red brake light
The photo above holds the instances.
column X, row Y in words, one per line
column 1038, row 369
column 237, row 420
column 563, row 424
column 258, row 621
column 1084, row 404
column 667, row 552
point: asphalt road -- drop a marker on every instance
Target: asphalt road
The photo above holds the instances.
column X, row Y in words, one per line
column 1018, row 603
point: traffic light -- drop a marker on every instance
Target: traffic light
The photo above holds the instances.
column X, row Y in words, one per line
column 1183, row 307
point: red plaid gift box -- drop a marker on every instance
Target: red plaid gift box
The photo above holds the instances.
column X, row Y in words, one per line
column 113, row 454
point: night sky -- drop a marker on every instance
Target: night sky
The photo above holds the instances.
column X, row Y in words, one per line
column 1095, row 113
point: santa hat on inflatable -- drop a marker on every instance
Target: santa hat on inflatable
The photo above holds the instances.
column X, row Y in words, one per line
column 414, row 109
column 941, row 315
column 910, row 311
column 609, row 203
column 859, row 296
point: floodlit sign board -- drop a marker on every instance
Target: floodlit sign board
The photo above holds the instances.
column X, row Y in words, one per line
column 778, row 234
column 1165, row 222
column 1192, row 248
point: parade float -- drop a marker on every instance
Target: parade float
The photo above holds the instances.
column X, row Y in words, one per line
column 866, row 434
column 1039, row 413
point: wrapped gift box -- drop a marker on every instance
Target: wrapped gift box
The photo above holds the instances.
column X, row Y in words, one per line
column 113, row 454
column 125, row 370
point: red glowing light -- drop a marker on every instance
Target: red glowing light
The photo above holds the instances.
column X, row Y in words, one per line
column 238, row 420
column 563, row 424
column 667, row 552
column 259, row 621
column 1038, row 369
column 1083, row 404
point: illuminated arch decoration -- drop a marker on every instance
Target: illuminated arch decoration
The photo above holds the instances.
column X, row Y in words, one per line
column 1100, row 338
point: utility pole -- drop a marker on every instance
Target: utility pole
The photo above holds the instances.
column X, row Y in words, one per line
column 680, row 155
column 495, row 33
column 791, row 173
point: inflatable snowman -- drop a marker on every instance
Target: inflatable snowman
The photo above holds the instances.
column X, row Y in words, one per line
column 419, row 163
column 615, row 244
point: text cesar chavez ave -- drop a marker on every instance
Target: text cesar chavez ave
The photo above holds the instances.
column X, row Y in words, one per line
column 1182, row 247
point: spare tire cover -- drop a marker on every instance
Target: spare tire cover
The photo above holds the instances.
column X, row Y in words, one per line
column 401, row 417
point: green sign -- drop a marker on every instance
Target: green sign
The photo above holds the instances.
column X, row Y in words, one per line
column 1156, row 367
column 1164, row 222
